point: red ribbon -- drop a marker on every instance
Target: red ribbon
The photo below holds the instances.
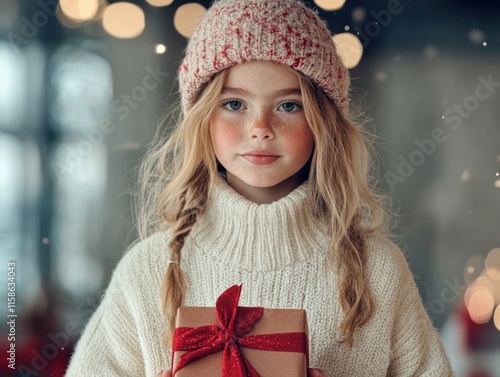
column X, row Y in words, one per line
column 234, row 323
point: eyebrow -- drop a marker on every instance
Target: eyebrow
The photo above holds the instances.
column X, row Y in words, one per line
column 276, row 93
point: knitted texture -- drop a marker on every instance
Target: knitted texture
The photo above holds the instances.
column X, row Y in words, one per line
column 283, row 31
column 279, row 252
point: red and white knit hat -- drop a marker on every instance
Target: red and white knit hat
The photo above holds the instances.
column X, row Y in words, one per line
column 284, row 31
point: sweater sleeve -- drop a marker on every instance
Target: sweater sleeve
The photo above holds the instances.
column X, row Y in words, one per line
column 416, row 348
column 109, row 345
column 124, row 336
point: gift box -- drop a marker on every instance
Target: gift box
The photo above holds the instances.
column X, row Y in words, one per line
column 234, row 341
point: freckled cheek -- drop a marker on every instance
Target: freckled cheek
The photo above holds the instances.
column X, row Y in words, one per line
column 299, row 140
column 225, row 137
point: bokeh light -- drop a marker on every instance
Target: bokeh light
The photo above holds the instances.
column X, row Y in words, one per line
column 465, row 175
column 160, row 3
column 492, row 264
column 103, row 4
column 481, row 305
column 187, row 17
column 473, row 268
column 381, row 76
column 496, row 317
column 124, row 20
column 430, row 52
column 349, row 48
column 482, row 283
column 330, row 4
column 358, row 14
column 79, row 10
column 66, row 21
column 485, row 283
column 160, row 49
column 476, row 36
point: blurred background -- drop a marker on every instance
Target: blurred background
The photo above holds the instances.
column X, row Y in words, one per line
column 84, row 83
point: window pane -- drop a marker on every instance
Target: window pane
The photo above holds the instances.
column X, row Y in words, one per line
column 78, row 221
column 82, row 89
column 19, row 187
column 12, row 87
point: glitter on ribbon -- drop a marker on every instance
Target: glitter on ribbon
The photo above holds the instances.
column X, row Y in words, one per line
column 234, row 325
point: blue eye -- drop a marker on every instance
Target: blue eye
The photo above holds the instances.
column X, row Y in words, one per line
column 290, row 107
column 233, row 105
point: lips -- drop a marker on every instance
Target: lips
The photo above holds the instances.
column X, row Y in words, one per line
column 261, row 152
column 261, row 157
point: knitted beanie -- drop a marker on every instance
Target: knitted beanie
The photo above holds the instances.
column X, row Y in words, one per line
column 284, row 31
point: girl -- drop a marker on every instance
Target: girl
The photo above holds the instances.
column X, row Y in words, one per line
column 264, row 181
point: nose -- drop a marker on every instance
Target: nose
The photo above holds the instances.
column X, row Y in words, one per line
column 260, row 127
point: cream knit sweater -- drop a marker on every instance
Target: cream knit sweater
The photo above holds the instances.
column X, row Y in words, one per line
column 278, row 251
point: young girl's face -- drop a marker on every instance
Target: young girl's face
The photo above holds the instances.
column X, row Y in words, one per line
column 259, row 131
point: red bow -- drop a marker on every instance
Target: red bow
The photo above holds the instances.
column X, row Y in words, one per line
column 235, row 322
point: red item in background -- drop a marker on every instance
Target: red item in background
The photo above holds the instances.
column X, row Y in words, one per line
column 35, row 357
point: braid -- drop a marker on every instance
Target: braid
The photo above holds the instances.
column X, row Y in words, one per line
column 191, row 203
column 355, row 298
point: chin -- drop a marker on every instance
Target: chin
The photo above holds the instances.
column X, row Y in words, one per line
column 260, row 182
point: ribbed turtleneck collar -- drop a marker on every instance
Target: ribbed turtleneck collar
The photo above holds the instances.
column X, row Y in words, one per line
column 262, row 237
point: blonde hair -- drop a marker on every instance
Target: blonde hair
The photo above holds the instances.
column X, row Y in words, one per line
column 177, row 173
column 340, row 185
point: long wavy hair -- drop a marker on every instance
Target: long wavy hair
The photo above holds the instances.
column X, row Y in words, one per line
column 179, row 167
